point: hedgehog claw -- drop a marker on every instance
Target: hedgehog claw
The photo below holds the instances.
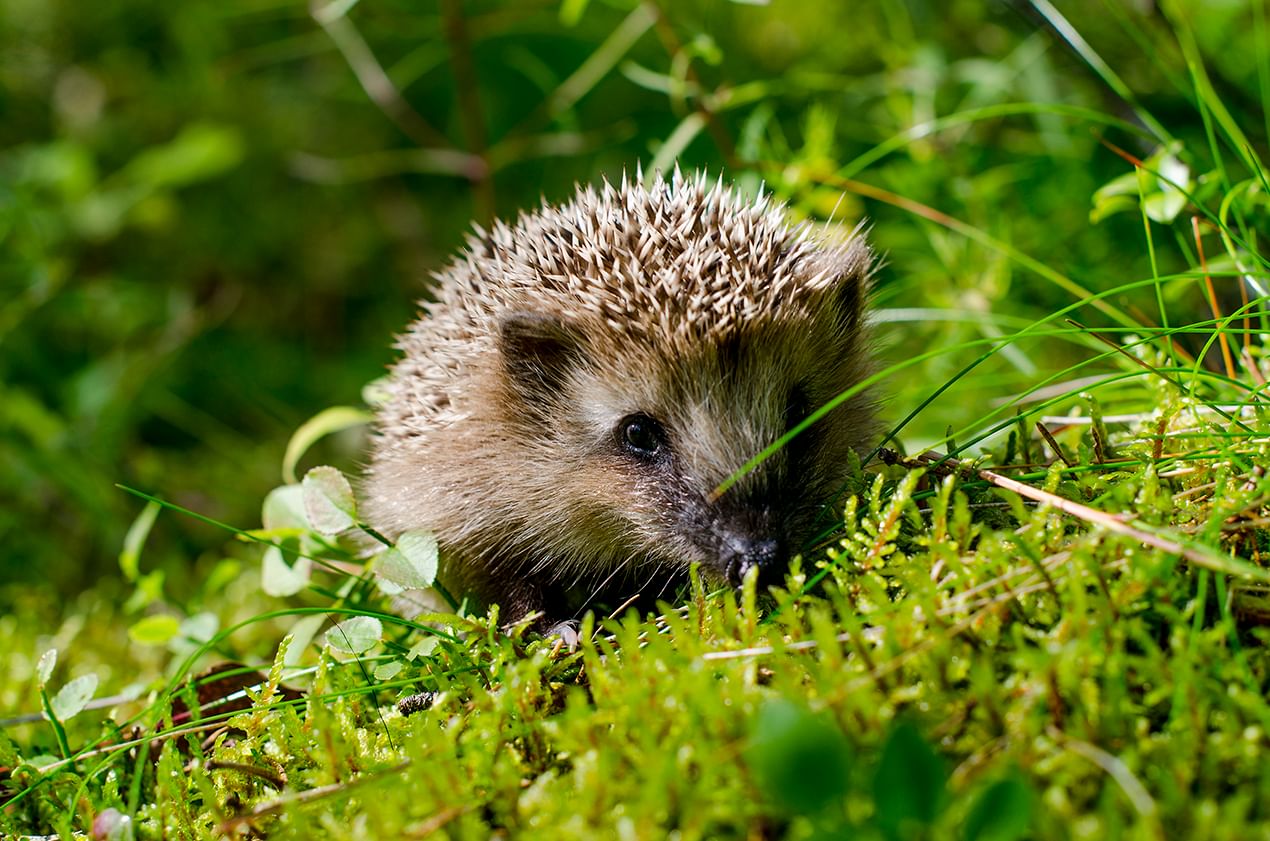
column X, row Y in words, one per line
column 565, row 633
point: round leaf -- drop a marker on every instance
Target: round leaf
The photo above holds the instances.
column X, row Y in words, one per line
column 279, row 579
column 1002, row 812
column 154, row 630
column 73, row 697
column 356, row 635
column 387, row 671
column 802, row 758
column 412, row 563
column 328, row 500
column 284, row 509
column 909, row 785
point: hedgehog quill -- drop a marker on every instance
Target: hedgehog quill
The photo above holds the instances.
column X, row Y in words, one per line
column 586, row 378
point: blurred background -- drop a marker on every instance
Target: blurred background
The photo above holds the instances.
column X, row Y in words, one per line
column 215, row 215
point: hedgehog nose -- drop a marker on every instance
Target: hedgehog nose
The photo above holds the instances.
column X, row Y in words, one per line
column 740, row 554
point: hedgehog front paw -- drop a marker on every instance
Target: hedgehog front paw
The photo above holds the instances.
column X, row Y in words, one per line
column 566, row 633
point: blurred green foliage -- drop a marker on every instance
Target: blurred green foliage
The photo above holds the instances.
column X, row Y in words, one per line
column 213, row 216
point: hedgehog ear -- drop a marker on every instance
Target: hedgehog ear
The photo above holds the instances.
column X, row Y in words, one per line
column 538, row 352
column 851, row 292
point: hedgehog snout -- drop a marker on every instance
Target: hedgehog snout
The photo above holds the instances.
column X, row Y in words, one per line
column 740, row 552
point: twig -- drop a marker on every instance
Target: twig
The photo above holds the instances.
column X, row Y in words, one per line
column 308, row 796
column 1049, row 439
column 374, row 81
column 1117, row 524
column 1133, row 788
column 1212, row 301
column 275, row 780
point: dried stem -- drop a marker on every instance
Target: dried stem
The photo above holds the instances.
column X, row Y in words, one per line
column 1212, row 301
column 370, row 74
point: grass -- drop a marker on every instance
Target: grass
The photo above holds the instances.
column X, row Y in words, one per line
column 1043, row 611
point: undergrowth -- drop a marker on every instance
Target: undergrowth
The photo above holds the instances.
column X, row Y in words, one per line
column 1040, row 677
column 1051, row 622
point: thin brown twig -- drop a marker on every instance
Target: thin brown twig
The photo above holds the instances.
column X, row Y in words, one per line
column 308, row 796
column 273, row 778
column 1212, row 301
column 370, row 74
column 1111, row 522
column 1049, row 439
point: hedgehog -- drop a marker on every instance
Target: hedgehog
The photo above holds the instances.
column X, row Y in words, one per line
column 565, row 412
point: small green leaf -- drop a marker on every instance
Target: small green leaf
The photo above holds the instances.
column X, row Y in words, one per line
column 328, row 500
column 802, row 758
column 1164, row 206
column 324, row 423
column 284, row 509
column 1001, row 812
column 44, row 668
column 149, row 590
column 226, row 570
column 1110, row 206
column 279, row 579
column 130, row 556
column 423, row 647
column 571, row 11
column 356, row 635
column 387, row 671
column 412, row 563
column 73, row 697
column 908, row 787
column 197, row 153
column 154, row 630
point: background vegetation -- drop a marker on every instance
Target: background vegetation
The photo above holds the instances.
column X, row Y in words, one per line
column 213, row 217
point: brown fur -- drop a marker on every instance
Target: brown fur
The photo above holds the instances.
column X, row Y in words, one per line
column 505, row 431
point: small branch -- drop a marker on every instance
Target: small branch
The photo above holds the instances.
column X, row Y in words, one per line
column 273, row 779
column 309, row 796
column 1049, row 439
column 1212, row 301
column 1117, row 523
column 1133, row 788
column 374, row 81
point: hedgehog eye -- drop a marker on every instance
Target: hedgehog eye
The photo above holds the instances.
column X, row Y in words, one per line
column 641, row 436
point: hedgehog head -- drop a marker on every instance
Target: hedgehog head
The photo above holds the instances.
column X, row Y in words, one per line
column 661, row 337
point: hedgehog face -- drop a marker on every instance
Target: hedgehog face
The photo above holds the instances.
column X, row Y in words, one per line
column 661, row 432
